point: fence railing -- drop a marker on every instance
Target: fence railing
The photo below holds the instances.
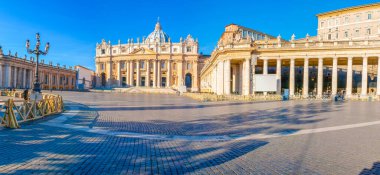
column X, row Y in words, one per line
column 14, row 111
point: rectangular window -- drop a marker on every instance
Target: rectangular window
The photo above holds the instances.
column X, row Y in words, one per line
column 188, row 66
column 162, row 65
column 101, row 66
column 103, row 51
column 357, row 18
column 114, row 51
column 346, row 19
column 122, row 65
column 336, row 36
column 163, row 49
column 142, row 65
column 329, row 37
column 368, row 31
column 175, row 50
column 369, row 16
column 188, row 49
column 346, row 34
column 322, row 24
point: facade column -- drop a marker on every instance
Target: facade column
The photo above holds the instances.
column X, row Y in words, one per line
column 15, row 77
column 31, row 78
column 246, row 77
column 127, row 72
column 1, row 75
column 220, row 80
column 108, row 74
column 334, row 83
column 265, row 70
column 147, row 74
column 378, row 75
column 349, row 77
column 154, row 73
column 131, row 73
column 159, row 73
column 320, row 77
column 180, row 73
column 305, row 89
column 227, row 77
column 24, row 78
column 291, row 77
column 365, row 76
column 168, row 73
column 50, row 80
column 195, row 86
column 137, row 73
column 278, row 76
column 118, row 72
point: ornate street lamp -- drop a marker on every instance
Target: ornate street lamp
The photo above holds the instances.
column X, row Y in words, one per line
column 37, row 52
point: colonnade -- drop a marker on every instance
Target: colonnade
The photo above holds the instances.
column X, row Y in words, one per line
column 153, row 73
column 237, row 75
column 334, row 75
column 23, row 77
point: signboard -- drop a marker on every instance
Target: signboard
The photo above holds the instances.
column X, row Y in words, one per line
column 266, row 83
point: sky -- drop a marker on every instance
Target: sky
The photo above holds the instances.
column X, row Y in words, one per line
column 73, row 27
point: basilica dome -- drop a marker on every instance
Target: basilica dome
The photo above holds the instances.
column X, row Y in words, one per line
column 158, row 35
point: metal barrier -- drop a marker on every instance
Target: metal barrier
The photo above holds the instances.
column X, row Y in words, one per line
column 13, row 112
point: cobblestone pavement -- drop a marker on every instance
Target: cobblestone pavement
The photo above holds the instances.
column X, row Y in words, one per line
column 43, row 149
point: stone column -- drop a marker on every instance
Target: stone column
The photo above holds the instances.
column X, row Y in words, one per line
column 180, row 73
column 137, row 73
column 246, row 77
column 15, row 77
column 51, row 80
column 131, row 73
column 305, row 89
column 235, row 79
column 195, row 86
column 278, row 76
column 334, row 83
column 127, row 72
column 265, row 70
column 220, row 80
column 118, row 73
column 291, row 77
column 1, row 75
column 349, row 77
column 147, row 73
column 154, row 73
column 24, row 78
column 159, row 73
column 320, row 78
column 168, row 73
column 378, row 75
column 265, row 66
column 108, row 74
column 365, row 76
column 227, row 77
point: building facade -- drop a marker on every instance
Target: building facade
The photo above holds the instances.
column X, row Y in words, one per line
column 154, row 62
column 16, row 72
column 323, row 64
column 85, row 78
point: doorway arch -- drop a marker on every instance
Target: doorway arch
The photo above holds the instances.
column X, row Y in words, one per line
column 188, row 80
column 103, row 76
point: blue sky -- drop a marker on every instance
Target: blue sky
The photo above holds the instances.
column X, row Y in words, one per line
column 73, row 27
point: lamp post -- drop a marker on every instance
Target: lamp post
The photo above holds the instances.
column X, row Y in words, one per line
column 37, row 52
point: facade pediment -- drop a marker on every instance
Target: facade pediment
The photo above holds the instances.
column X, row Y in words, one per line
column 142, row 51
